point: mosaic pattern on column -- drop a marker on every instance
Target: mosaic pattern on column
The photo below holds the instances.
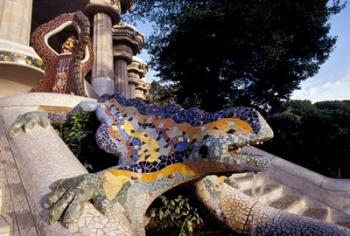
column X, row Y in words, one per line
column 65, row 72
column 7, row 57
column 247, row 216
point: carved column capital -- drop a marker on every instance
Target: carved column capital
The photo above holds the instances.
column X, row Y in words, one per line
column 143, row 85
column 127, row 42
column 138, row 66
column 112, row 8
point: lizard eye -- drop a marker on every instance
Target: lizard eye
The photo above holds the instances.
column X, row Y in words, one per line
column 204, row 151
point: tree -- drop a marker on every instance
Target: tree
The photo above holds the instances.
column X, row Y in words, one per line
column 161, row 94
column 315, row 136
column 231, row 52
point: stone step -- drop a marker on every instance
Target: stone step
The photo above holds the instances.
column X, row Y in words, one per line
column 276, row 196
column 248, row 181
column 271, row 193
column 290, row 203
column 316, row 213
column 267, row 193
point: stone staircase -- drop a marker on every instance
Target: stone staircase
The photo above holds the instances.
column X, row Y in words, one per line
column 276, row 195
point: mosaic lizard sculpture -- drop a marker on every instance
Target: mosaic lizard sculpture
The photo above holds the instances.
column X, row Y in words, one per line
column 158, row 149
column 64, row 72
column 247, row 216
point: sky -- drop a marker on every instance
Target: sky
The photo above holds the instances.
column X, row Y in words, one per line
column 333, row 79
column 146, row 29
column 332, row 82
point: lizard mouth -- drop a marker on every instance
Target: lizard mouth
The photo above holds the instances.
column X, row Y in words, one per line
column 234, row 148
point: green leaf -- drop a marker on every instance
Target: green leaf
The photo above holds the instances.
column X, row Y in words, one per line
column 147, row 220
column 166, row 213
column 161, row 214
column 153, row 212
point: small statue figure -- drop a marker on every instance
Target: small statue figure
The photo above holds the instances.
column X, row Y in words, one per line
column 69, row 45
column 65, row 72
column 61, row 77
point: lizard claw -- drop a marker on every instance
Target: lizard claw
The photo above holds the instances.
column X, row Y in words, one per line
column 69, row 196
column 27, row 121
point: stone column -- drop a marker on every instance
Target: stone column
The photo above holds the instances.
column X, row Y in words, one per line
column 105, row 13
column 102, row 72
column 133, row 82
column 121, row 77
column 16, row 20
column 142, row 89
column 20, row 66
column 127, row 42
column 136, row 71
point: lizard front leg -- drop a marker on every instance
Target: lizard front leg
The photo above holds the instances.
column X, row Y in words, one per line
column 105, row 189
column 69, row 196
column 27, row 121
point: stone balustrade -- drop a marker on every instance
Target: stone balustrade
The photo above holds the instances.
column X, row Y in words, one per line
column 334, row 193
column 31, row 162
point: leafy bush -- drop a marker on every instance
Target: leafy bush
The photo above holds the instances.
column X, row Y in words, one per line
column 79, row 135
column 174, row 213
column 315, row 136
column 75, row 130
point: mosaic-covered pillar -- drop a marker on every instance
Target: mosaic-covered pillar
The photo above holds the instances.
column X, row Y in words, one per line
column 104, row 13
column 136, row 71
column 127, row 43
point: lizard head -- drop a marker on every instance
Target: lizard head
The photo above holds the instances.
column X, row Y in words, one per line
column 225, row 139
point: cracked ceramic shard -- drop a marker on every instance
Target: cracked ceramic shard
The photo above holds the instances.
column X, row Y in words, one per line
column 159, row 148
column 246, row 215
column 42, row 158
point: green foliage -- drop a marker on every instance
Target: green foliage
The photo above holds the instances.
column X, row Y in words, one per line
column 174, row 213
column 161, row 94
column 333, row 105
column 79, row 135
column 315, row 136
column 75, row 130
column 299, row 107
column 233, row 52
